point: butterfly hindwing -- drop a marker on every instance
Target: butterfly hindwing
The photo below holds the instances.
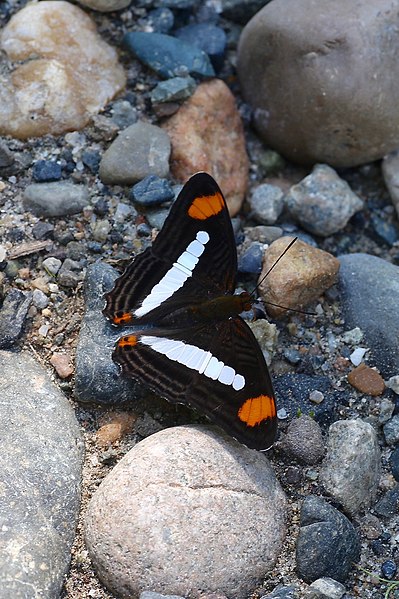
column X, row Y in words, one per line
column 218, row 370
column 198, row 226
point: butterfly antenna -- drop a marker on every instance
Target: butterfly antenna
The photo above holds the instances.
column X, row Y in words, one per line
column 267, row 274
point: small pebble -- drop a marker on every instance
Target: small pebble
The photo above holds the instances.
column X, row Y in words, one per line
column 316, row 397
column 389, row 569
column 387, row 232
column 391, row 430
column 152, row 191
column 266, row 203
column 209, row 38
column 52, row 265
column 39, row 299
column 357, row 356
column 393, row 383
column 326, row 588
column 175, row 89
column 394, row 462
column 352, row 337
column 43, row 230
column 366, row 380
column 46, row 170
column 91, row 159
column 114, row 426
column 160, row 20
column 62, row 365
column 101, row 230
column 251, row 260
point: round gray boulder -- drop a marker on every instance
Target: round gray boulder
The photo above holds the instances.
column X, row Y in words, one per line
column 323, row 78
column 186, row 510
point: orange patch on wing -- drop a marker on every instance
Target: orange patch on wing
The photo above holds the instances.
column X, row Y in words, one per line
column 125, row 318
column 127, row 341
column 206, row 206
column 256, row 409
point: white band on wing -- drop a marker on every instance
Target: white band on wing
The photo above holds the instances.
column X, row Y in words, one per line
column 175, row 278
column 195, row 358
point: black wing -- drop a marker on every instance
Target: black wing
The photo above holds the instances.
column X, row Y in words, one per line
column 200, row 207
column 243, row 405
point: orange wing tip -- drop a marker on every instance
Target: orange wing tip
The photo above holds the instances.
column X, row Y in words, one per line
column 257, row 409
column 206, row 206
column 128, row 341
column 126, row 318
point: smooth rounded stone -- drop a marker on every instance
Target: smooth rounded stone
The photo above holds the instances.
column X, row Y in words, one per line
column 394, row 463
column 46, row 170
column 366, row 380
column 152, row 191
column 351, row 476
column 42, row 454
column 63, row 72
column 105, row 5
column 175, row 89
column 209, row 38
column 167, row 55
column 59, row 198
column 97, row 376
column 300, row 277
column 323, row 203
column 13, row 313
column 250, row 261
column 387, row 506
column 322, row 53
column 138, row 151
column 326, row 588
column 391, row 430
column 266, row 203
column 327, row 544
column 206, row 122
column 390, row 171
column 389, row 569
column 304, row 440
column 369, row 289
column 186, row 510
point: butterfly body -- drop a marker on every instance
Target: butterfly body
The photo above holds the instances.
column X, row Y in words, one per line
column 189, row 343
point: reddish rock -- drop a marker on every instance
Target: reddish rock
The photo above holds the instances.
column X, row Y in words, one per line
column 115, row 425
column 366, row 380
column 299, row 278
column 207, row 135
column 62, row 365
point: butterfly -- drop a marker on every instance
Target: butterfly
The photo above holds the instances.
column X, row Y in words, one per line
column 189, row 344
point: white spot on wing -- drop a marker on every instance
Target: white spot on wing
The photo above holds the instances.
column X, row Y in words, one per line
column 238, row 382
column 214, row 368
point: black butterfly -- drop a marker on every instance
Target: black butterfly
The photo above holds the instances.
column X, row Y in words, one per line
column 191, row 346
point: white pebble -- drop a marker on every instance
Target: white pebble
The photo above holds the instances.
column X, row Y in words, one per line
column 357, row 356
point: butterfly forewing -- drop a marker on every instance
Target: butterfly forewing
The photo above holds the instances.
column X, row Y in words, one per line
column 198, row 226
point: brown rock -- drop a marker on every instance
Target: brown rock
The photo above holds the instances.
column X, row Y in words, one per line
column 115, row 426
column 68, row 73
column 62, row 365
column 207, row 135
column 323, row 78
column 300, row 277
column 366, row 380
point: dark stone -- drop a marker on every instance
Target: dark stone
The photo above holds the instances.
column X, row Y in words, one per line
column 98, row 378
column 168, row 56
column 13, row 313
column 209, row 38
column 43, row 230
column 143, row 230
column 293, row 390
column 251, row 260
column 152, row 191
column 101, row 207
column 161, row 20
column 389, row 569
column 46, row 170
column 6, row 156
column 388, row 505
column 386, row 232
column 394, row 461
column 42, row 455
column 327, row 543
column 175, row 89
column 91, row 159
column 369, row 296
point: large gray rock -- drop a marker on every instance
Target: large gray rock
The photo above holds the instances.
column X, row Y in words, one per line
column 351, row 469
column 323, row 78
column 370, row 298
column 42, row 453
column 58, row 198
column 186, row 510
